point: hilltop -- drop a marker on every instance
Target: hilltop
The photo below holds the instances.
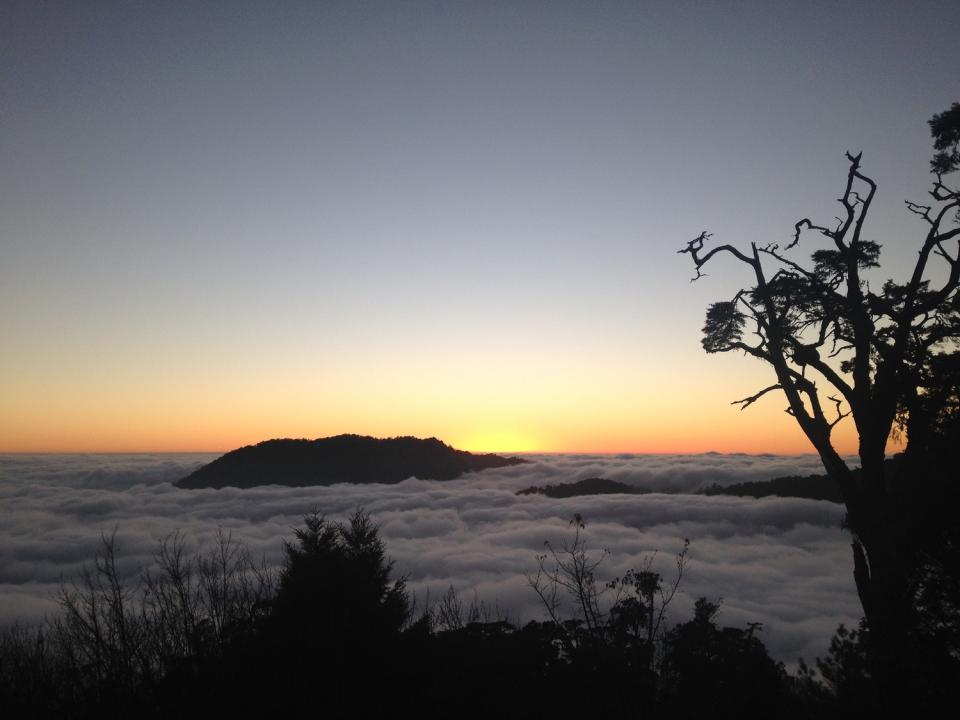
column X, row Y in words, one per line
column 340, row 459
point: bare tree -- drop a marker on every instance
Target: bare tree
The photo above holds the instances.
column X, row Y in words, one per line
column 642, row 597
column 172, row 599
column 623, row 611
column 232, row 588
column 122, row 635
column 194, row 604
column 99, row 626
column 570, row 571
column 450, row 612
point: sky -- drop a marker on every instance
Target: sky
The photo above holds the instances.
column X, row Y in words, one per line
column 222, row 222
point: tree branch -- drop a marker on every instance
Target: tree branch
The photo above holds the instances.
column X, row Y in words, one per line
column 748, row 401
column 695, row 246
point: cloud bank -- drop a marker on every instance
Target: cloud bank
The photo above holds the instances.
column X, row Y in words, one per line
column 784, row 562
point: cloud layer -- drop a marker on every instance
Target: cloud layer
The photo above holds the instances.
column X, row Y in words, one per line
column 781, row 561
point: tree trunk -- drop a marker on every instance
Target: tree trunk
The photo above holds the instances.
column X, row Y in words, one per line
column 882, row 556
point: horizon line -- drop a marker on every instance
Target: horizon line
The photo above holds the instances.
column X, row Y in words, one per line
column 474, row 452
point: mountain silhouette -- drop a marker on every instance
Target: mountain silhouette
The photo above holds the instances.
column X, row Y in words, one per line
column 340, row 459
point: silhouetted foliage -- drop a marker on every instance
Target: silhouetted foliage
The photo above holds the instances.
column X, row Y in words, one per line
column 335, row 622
column 846, row 671
column 118, row 647
column 696, row 669
column 706, row 667
column 945, row 128
column 211, row 635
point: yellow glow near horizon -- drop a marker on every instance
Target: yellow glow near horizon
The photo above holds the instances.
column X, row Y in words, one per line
column 634, row 422
column 497, row 441
column 532, row 398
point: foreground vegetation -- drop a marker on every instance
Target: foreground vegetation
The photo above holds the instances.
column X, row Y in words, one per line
column 333, row 632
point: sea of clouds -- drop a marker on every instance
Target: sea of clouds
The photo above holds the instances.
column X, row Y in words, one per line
column 784, row 562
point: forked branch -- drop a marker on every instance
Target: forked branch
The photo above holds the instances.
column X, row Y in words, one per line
column 748, row 401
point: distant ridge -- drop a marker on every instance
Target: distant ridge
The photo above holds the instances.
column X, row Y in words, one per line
column 340, row 459
column 811, row 487
column 590, row 486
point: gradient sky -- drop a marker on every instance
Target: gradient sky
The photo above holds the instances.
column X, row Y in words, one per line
column 224, row 222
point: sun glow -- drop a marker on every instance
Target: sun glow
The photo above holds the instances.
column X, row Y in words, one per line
column 499, row 441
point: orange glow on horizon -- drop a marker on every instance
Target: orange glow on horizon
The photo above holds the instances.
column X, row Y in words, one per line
column 537, row 401
column 494, row 441
column 740, row 435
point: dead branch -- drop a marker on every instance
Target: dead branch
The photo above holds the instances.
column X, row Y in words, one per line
column 748, row 401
